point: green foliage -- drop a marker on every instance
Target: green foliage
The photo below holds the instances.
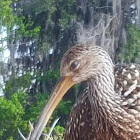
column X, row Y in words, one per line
column 11, row 115
column 63, row 109
column 1, row 49
column 67, row 13
column 76, row 87
column 51, row 75
column 19, row 112
column 59, row 16
column 16, row 23
column 26, row 27
column 6, row 13
column 58, row 132
column 56, row 9
column 16, row 83
column 131, row 51
column 34, row 109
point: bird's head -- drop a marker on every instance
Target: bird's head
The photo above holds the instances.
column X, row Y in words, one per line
column 83, row 62
column 79, row 63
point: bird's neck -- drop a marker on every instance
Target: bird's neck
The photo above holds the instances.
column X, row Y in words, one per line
column 107, row 112
column 105, row 103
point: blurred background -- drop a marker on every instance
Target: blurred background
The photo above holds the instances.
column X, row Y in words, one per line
column 34, row 34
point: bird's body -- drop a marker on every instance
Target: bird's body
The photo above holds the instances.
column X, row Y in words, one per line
column 100, row 116
column 109, row 108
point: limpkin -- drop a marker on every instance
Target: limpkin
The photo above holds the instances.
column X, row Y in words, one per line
column 109, row 108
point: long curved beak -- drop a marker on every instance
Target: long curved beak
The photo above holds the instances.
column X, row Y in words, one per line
column 63, row 85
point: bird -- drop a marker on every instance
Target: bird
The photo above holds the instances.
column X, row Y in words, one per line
column 109, row 108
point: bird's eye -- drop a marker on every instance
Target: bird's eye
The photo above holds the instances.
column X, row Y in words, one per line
column 74, row 64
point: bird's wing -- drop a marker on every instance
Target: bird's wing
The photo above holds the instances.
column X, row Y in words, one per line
column 79, row 125
column 127, row 84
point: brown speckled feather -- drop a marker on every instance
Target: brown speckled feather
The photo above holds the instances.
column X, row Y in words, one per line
column 127, row 86
column 80, row 120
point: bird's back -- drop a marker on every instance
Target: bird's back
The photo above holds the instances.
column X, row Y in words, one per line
column 127, row 86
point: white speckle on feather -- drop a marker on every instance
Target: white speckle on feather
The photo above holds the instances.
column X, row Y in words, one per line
column 135, row 82
column 74, row 125
column 132, row 66
column 82, row 124
column 129, row 76
column 124, row 103
column 124, row 70
column 138, row 95
column 69, row 129
column 136, row 73
column 125, row 82
column 76, row 135
column 127, row 93
column 121, row 89
column 131, row 100
column 77, row 120
column 133, row 111
column 131, row 88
